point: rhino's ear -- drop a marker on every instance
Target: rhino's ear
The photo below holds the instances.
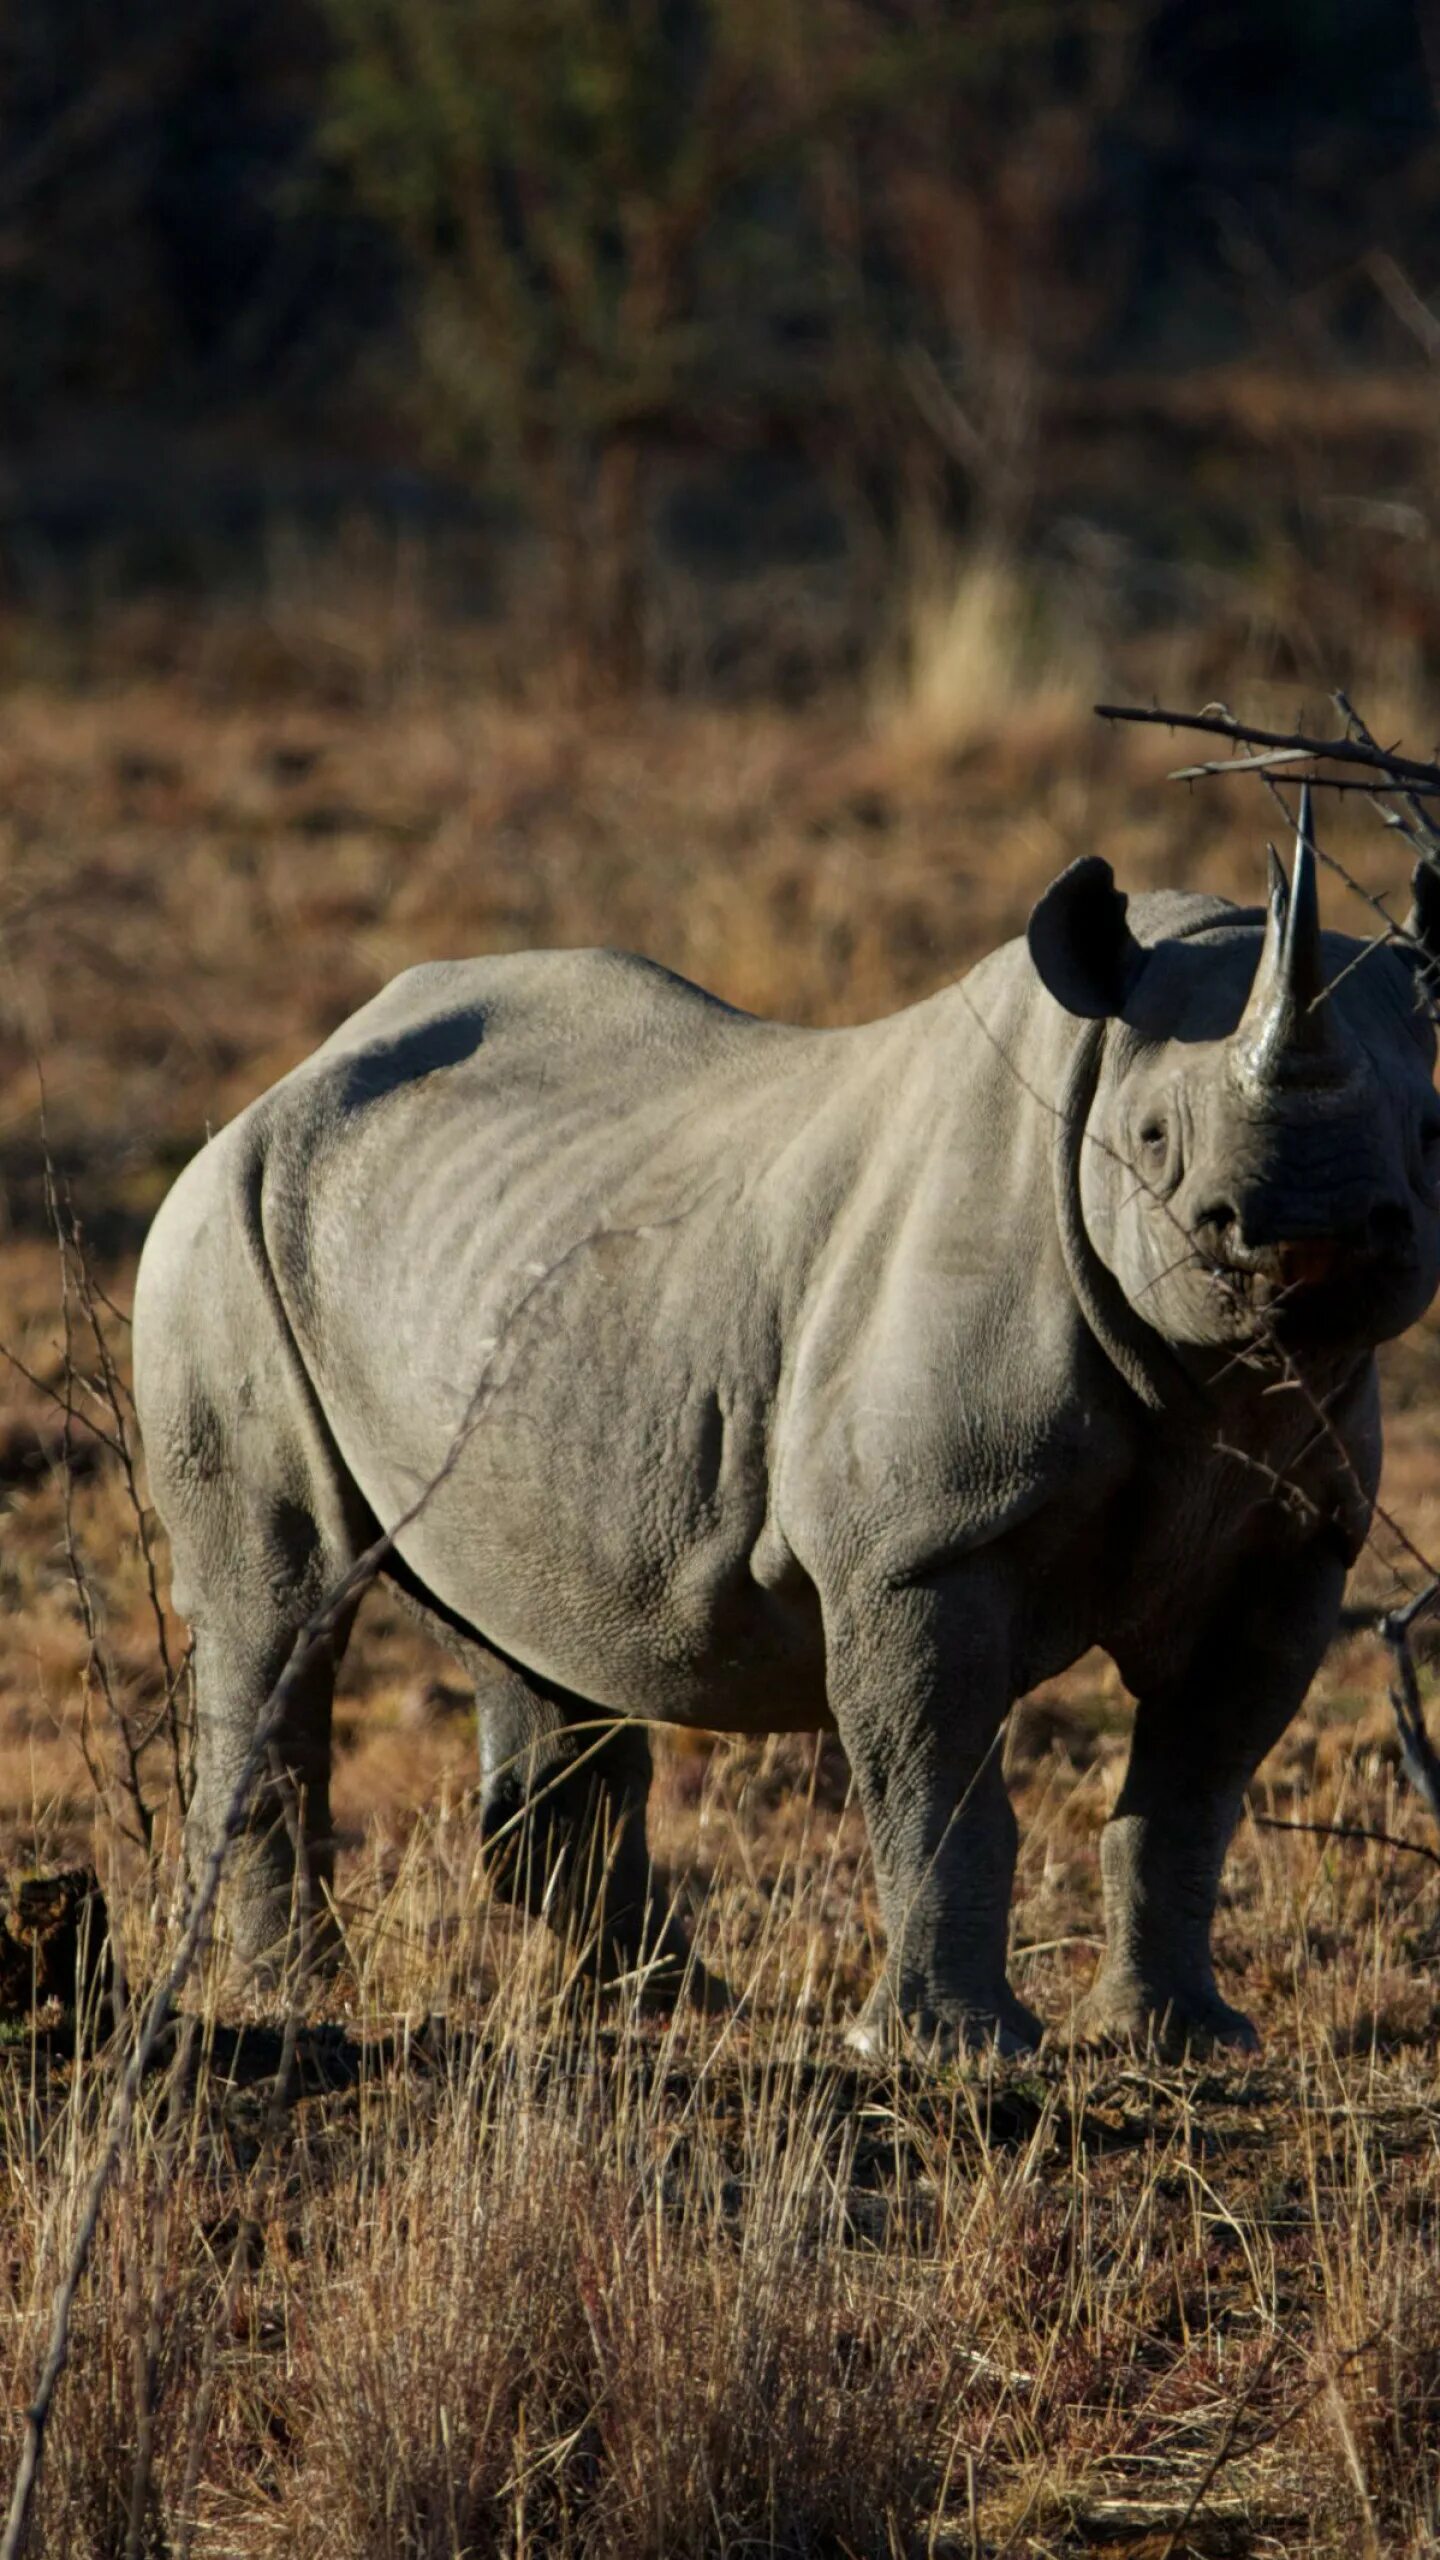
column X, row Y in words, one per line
column 1081, row 945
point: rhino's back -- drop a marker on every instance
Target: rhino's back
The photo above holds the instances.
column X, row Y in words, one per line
column 571, row 1004
column 490, row 1073
column 495, row 1111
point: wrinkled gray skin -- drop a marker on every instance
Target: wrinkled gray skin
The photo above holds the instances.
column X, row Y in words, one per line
column 855, row 1379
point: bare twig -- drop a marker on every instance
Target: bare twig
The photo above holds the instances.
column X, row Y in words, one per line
column 1417, row 1752
column 1412, row 796
column 1352, row 1831
column 1289, row 745
column 99, row 1670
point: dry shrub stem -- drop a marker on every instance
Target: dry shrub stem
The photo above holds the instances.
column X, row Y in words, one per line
column 1351, row 1831
column 94, row 1400
column 1282, row 747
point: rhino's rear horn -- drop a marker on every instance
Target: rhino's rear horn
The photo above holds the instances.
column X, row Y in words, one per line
column 1081, row 942
column 1288, row 1034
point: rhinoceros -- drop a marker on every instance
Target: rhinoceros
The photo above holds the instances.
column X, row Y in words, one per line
column 851, row 1380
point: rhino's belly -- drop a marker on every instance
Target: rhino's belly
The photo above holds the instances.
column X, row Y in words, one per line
column 607, row 1523
column 687, row 1635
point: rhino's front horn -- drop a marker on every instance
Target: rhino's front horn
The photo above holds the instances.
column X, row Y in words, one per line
column 1287, row 1034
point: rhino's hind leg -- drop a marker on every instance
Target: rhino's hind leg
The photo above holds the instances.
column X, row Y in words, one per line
column 263, row 1521
column 563, row 1799
column 276, row 1896
column 1197, row 1744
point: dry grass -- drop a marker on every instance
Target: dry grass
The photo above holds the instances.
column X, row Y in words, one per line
column 498, row 2277
column 984, row 653
column 491, row 2276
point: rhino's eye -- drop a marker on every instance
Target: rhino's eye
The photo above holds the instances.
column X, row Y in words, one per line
column 1154, row 1141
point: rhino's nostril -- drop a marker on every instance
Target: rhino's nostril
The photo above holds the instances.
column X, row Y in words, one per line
column 1217, row 1223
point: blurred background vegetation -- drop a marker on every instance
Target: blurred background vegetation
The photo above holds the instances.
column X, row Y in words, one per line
column 611, row 309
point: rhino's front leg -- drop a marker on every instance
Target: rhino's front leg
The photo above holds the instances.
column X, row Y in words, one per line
column 1198, row 1741
column 918, row 1680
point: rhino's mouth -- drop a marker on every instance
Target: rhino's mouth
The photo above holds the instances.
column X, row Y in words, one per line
column 1311, row 1287
column 1278, row 1270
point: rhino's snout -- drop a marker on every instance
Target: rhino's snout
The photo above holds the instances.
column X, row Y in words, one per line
column 1298, row 1246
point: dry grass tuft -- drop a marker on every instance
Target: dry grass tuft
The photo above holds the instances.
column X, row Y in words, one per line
column 983, row 652
column 116, row 2452
column 618, row 2358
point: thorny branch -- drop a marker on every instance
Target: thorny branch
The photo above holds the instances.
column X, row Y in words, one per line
column 1354, row 1831
column 1408, row 780
column 1418, row 1756
column 99, row 1670
column 1282, row 747
column 95, row 1408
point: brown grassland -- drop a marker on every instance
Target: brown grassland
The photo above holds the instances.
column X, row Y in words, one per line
column 453, row 2264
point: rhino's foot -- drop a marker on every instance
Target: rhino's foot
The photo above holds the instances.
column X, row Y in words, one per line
column 1124, row 2010
column 932, row 2033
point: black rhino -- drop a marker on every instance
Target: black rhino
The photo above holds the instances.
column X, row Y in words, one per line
column 855, row 1379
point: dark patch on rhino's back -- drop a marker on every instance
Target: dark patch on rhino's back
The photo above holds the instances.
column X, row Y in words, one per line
column 439, row 1015
column 425, row 1049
